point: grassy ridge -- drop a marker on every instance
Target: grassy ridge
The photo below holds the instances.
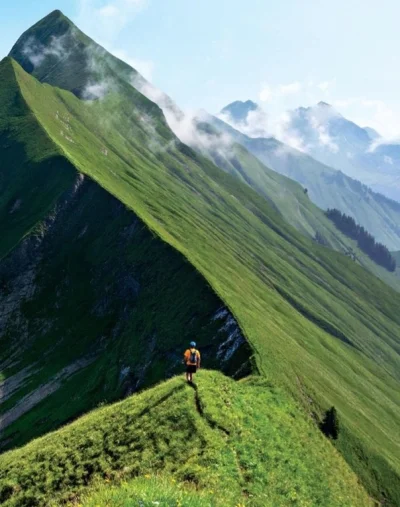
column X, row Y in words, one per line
column 246, row 442
column 111, row 301
column 306, row 303
column 28, row 162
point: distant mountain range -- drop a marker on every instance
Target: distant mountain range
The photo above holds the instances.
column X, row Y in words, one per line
column 326, row 186
column 335, row 141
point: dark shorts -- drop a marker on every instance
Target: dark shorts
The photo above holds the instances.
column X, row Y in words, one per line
column 191, row 368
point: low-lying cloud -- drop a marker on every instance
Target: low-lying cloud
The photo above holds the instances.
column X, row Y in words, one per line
column 36, row 52
column 186, row 125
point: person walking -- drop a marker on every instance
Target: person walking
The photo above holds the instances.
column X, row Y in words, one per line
column 191, row 358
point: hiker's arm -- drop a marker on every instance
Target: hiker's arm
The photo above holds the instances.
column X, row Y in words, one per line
column 198, row 361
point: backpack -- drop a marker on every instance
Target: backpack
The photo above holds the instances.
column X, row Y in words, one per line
column 193, row 357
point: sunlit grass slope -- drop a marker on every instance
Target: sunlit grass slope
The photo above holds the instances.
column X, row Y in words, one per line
column 239, row 442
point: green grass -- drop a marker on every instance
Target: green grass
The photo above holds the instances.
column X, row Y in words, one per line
column 246, row 442
column 320, row 326
column 153, row 491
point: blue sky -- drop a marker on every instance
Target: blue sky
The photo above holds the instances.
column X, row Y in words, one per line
column 207, row 53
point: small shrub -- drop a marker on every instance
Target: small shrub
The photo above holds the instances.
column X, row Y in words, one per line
column 330, row 424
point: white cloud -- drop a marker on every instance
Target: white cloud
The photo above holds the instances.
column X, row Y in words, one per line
column 183, row 124
column 144, row 67
column 98, row 90
column 104, row 22
column 259, row 124
column 37, row 52
column 282, row 129
column 265, row 94
column 289, row 88
column 324, row 86
column 254, row 125
column 326, row 140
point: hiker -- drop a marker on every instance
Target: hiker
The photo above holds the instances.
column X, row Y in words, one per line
column 192, row 360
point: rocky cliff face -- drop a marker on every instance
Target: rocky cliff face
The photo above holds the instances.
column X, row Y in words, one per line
column 112, row 306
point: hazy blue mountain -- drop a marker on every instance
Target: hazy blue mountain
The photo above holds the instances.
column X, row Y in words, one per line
column 344, row 145
column 326, row 186
column 330, row 138
column 373, row 134
column 239, row 110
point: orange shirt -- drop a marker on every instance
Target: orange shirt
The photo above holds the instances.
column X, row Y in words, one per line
column 188, row 354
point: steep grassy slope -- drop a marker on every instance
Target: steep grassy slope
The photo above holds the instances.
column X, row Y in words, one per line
column 243, row 443
column 30, row 163
column 92, row 305
column 327, row 187
column 319, row 324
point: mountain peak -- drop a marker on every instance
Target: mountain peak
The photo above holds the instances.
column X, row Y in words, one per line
column 52, row 22
column 55, row 14
column 321, row 103
column 55, row 51
column 249, row 104
column 239, row 110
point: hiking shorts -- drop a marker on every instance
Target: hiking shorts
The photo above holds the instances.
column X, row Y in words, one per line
column 191, row 368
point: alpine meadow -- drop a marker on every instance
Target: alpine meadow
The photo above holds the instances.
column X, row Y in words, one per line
column 123, row 238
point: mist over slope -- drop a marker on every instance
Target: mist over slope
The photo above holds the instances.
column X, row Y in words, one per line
column 315, row 323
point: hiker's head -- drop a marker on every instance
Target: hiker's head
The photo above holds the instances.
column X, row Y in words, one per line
column 193, row 345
